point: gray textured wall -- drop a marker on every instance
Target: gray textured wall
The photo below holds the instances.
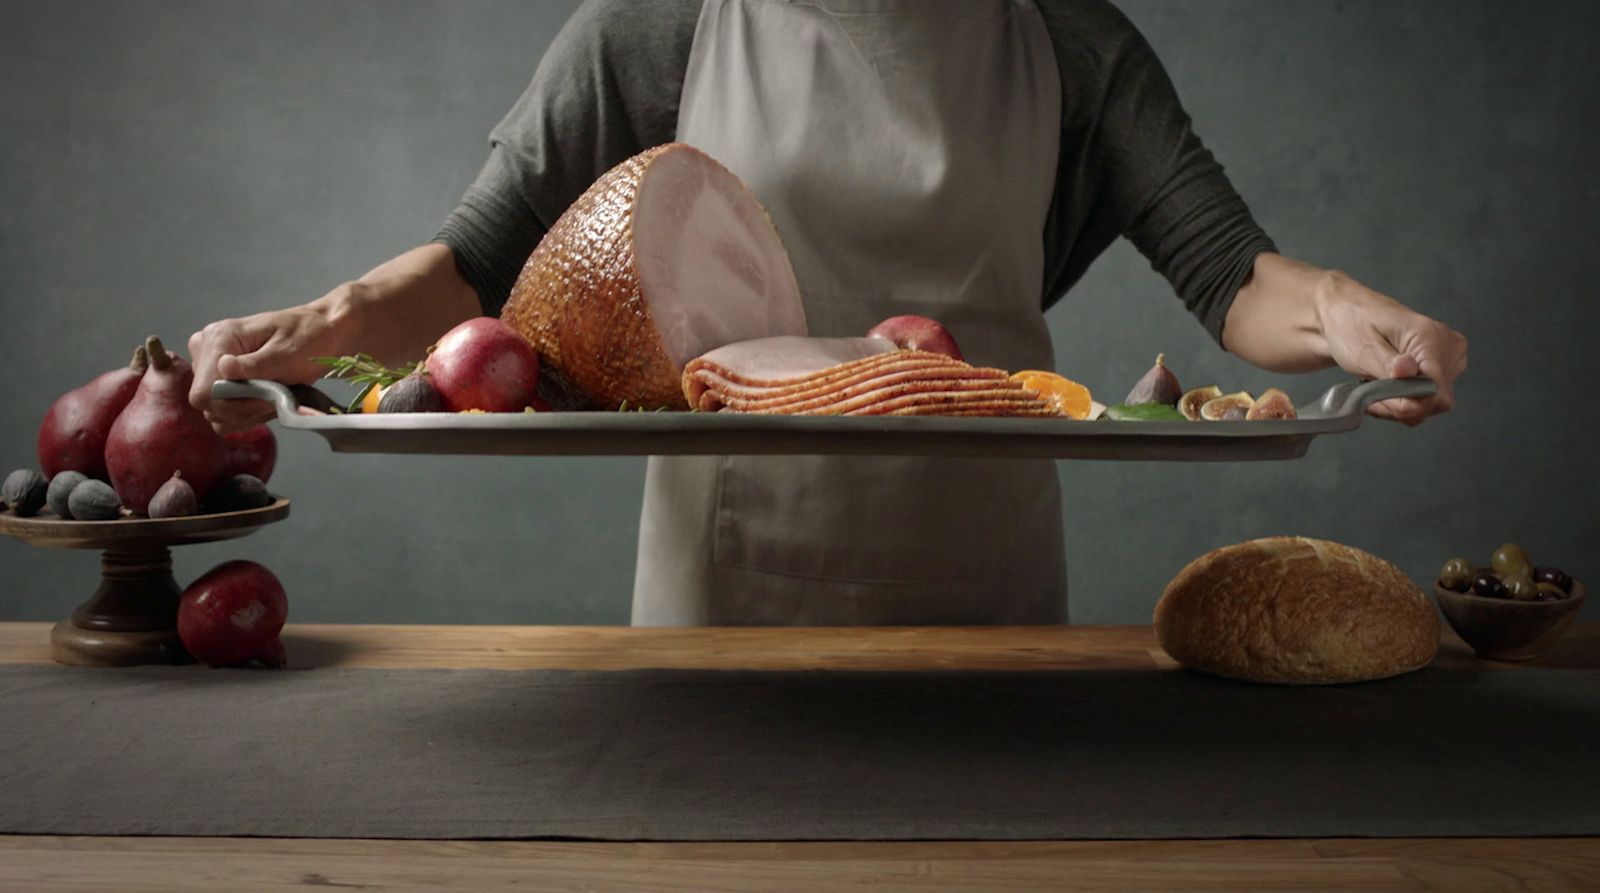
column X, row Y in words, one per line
column 163, row 164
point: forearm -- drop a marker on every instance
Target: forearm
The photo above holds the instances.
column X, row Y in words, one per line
column 400, row 307
column 1275, row 320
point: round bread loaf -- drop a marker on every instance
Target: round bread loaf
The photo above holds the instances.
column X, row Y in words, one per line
column 1297, row 611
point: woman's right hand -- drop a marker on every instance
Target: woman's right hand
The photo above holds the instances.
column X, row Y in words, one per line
column 277, row 345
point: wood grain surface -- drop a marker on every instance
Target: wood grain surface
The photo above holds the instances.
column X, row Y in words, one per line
column 179, row 865
column 755, row 648
column 191, row 865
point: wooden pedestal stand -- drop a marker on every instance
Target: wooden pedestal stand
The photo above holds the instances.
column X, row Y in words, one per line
column 132, row 617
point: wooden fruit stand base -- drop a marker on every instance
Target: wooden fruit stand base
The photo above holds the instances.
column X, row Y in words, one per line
column 132, row 616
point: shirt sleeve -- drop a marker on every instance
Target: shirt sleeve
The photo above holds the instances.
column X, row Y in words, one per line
column 1133, row 166
column 607, row 89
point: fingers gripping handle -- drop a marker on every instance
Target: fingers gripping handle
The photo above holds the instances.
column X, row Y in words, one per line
column 277, row 394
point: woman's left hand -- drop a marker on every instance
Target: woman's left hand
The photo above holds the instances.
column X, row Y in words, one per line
column 1375, row 336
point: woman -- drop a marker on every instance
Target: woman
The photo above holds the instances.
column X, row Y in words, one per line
column 960, row 159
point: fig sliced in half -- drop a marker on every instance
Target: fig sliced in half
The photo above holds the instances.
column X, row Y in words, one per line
column 1272, row 404
column 1189, row 404
column 1229, row 408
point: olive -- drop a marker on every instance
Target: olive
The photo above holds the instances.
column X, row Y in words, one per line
column 1457, row 575
column 1555, row 577
column 1510, row 559
column 1549, row 592
column 1485, row 583
column 1521, row 587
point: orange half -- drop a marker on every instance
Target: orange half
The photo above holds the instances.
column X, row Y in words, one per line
column 1064, row 395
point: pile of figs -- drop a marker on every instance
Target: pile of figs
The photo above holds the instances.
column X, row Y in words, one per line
column 129, row 443
column 1158, row 397
column 1510, row 575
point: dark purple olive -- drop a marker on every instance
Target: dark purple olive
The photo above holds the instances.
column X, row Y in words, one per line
column 1486, row 584
column 1555, row 577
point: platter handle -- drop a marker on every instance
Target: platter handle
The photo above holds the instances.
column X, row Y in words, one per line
column 286, row 398
column 1353, row 397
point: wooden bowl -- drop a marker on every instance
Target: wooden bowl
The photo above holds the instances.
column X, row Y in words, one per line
column 1502, row 629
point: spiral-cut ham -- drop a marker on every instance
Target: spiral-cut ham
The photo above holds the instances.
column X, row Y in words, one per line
column 850, row 376
column 666, row 257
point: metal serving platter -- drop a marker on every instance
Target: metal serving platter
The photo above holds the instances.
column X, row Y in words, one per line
column 1339, row 410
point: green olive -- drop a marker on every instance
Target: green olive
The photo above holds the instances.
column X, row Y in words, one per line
column 1549, row 592
column 1457, row 575
column 1521, row 587
column 1509, row 560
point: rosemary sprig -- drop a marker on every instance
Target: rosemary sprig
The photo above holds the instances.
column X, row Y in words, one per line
column 638, row 408
column 363, row 370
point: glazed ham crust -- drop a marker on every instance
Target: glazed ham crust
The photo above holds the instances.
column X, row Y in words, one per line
column 850, row 376
column 667, row 256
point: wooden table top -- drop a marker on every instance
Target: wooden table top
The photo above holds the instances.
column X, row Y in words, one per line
column 47, row 863
column 756, row 648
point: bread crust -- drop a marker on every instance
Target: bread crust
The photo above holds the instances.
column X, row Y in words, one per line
column 1294, row 610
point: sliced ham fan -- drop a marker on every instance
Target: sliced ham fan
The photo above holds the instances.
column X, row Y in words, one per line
column 849, row 376
column 664, row 258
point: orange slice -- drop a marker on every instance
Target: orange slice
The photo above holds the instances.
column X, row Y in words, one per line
column 369, row 403
column 1067, row 396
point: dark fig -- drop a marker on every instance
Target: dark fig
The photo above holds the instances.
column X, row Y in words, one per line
column 1229, row 408
column 414, row 393
column 238, row 493
column 1189, row 404
column 73, row 434
column 24, row 491
column 174, row 500
column 1158, row 385
column 61, row 487
column 94, row 500
column 159, row 433
column 1554, row 576
column 1273, row 404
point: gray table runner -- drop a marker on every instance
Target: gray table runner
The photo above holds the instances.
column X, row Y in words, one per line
column 670, row 755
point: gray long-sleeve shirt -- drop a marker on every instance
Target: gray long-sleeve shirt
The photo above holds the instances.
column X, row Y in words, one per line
column 1130, row 163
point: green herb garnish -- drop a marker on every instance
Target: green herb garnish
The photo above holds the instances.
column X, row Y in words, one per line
column 365, row 371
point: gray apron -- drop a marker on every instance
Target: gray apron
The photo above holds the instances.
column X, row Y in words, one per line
column 906, row 151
